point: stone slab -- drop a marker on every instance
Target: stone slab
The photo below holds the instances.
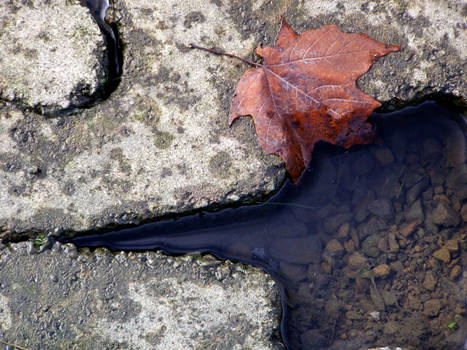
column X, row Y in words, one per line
column 133, row 301
column 51, row 54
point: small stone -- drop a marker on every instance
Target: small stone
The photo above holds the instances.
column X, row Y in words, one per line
column 349, row 246
column 443, row 255
column 407, row 228
column 382, row 270
column 415, row 211
column 452, row 245
column 370, row 246
column 429, row 282
column 397, row 266
column 344, row 230
column 382, row 208
column 464, row 212
column 431, row 307
column 393, row 245
column 332, row 223
column 334, row 248
column 376, row 315
column 356, row 261
column 382, row 244
column 457, row 177
column 414, row 192
column 445, row 215
column 327, row 268
column 455, row 272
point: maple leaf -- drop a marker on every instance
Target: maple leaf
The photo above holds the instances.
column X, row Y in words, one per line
column 305, row 91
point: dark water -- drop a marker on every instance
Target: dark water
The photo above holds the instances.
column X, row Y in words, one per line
column 370, row 206
column 98, row 9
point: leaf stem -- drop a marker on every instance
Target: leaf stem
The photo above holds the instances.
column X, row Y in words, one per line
column 193, row 46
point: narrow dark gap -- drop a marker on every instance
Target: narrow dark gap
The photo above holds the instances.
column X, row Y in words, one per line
column 339, row 244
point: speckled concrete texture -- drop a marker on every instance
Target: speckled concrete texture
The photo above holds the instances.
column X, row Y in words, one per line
column 133, row 301
column 51, row 54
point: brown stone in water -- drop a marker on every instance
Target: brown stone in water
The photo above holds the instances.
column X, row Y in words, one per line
column 382, row 270
column 443, row 255
column 334, row 247
column 356, row 261
column 349, row 246
column 393, row 245
column 327, row 268
column 344, row 230
column 452, row 245
column 464, row 212
column 445, row 215
column 408, row 228
column 455, row 272
column 432, row 307
column 429, row 282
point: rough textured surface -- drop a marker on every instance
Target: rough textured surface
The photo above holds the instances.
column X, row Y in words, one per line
column 133, row 301
column 160, row 144
column 51, row 53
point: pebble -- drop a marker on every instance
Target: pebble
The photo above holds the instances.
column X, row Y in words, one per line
column 445, row 215
column 452, row 245
column 431, row 307
column 344, row 230
column 416, row 189
column 407, row 229
column 464, row 212
column 442, row 255
column 415, row 211
column 349, row 246
column 455, row 272
column 397, row 266
column 370, row 246
column 429, row 282
column 382, row 208
column 393, row 245
column 356, row 261
column 382, row 270
column 332, row 223
column 334, row 248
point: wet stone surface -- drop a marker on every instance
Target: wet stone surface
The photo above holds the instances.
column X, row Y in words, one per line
column 134, row 301
column 51, row 54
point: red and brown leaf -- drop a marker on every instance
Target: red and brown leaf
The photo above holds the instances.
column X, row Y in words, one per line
column 305, row 91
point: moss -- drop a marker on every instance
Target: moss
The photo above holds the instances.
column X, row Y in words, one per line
column 163, row 139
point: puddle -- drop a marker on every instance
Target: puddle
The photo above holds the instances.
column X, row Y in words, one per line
column 369, row 249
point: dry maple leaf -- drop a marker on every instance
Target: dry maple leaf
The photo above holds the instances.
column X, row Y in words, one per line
column 305, row 91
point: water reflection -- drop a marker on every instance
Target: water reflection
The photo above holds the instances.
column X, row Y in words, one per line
column 369, row 248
